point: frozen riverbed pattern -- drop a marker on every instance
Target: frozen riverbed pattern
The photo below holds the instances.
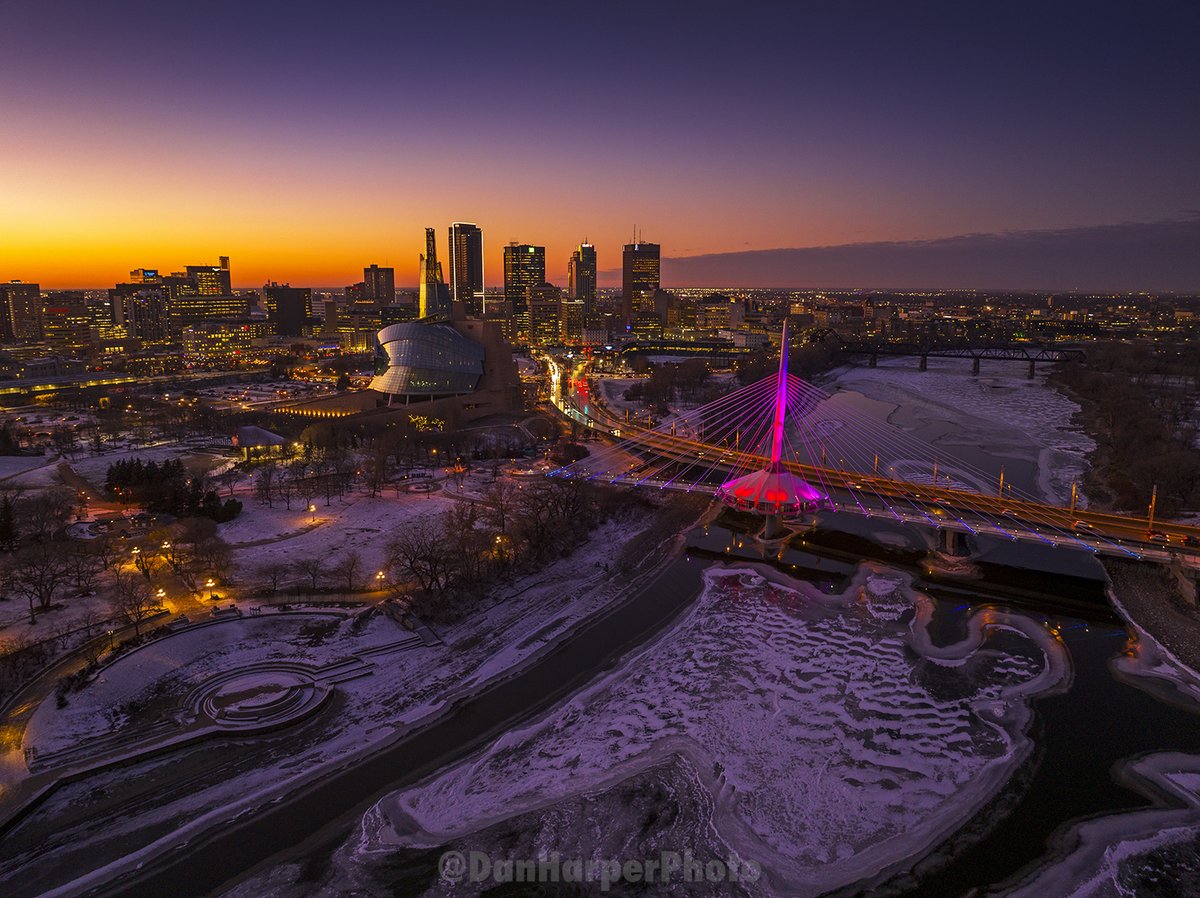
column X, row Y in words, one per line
column 834, row 741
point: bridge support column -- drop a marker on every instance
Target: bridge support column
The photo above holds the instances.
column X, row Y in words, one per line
column 924, row 366
column 975, row 365
column 773, row 527
column 1031, row 370
column 953, row 542
column 874, row 363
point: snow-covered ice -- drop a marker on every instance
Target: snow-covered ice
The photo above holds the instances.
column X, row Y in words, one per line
column 833, row 740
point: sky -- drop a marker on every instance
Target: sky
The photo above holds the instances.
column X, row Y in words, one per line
column 306, row 140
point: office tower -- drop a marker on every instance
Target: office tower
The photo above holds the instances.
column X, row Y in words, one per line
column 21, row 311
column 524, row 267
column 187, row 310
column 544, row 304
column 573, row 318
column 143, row 310
column 581, row 276
column 65, row 325
column 379, row 285
column 466, row 266
column 434, row 297
column 144, row 276
column 639, row 278
column 210, row 280
column 288, row 308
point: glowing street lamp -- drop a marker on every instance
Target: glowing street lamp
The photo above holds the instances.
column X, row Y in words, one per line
column 379, row 578
column 312, row 509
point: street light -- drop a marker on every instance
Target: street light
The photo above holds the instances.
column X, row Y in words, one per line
column 379, row 578
column 313, row 511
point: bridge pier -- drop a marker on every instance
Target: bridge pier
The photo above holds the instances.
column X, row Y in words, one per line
column 1031, row 370
column 773, row 526
column 953, row 542
column 924, row 366
column 975, row 365
column 874, row 363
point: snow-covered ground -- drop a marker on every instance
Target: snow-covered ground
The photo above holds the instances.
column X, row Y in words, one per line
column 360, row 524
column 163, row 672
column 818, row 736
column 1000, row 412
column 528, row 616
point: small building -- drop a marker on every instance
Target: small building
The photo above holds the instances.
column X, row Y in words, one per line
column 254, row 441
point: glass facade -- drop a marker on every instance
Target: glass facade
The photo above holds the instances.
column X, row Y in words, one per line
column 427, row 359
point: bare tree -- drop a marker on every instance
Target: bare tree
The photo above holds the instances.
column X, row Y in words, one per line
column 83, row 566
column 312, row 568
column 135, row 601
column 500, row 500
column 348, row 569
column 273, row 574
column 420, row 553
column 38, row 573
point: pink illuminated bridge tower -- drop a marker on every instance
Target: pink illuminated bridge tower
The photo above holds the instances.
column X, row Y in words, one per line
column 774, row 491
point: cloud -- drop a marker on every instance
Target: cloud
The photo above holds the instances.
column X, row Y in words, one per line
column 1133, row 256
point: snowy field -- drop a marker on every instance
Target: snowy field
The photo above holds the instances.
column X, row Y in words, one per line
column 402, row 689
column 1001, row 409
column 818, row 736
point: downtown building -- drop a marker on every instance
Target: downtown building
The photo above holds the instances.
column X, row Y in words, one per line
column 581, row 277
column 524, row 268
column 639, row 279
column 466, row 267
column 20, row 311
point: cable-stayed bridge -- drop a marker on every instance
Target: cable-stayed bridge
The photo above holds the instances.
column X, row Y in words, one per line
column 785, row 449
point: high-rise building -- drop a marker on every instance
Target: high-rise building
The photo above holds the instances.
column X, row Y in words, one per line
column 524, row 267
column 581, row 276
column 573, row 319
column 66, row 327
column 434, row 297
column 144, row 276
column 466, row 266
column 379, row 284
column 544, row 303
column 288, row 308
column 211, row 280
column 20, row 311
column 639, row 278
column 144, row 311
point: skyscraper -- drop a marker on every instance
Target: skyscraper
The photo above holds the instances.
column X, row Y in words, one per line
column 524, row 267
column 20, row 311
column 639, row 278
column 288, row 308
column 544, row 304
column 466, row 266
column 434, row 298
column 581, row 276
column 211, row 280
column 379, row 284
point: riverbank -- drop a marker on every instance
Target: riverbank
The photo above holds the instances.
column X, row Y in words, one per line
column 1148, row 596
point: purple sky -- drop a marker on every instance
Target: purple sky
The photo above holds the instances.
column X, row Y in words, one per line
column 306, row 140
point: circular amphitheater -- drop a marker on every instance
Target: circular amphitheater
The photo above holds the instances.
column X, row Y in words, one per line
column 268, row 694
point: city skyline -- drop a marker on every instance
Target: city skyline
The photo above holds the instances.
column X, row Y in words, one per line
column 818, row 128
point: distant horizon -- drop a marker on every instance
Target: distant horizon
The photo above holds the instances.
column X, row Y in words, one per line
column 1125, row 258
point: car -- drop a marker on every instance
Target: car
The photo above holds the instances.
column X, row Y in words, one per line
column 1083, row 526
column 1193, row 541
column 1157, row 536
